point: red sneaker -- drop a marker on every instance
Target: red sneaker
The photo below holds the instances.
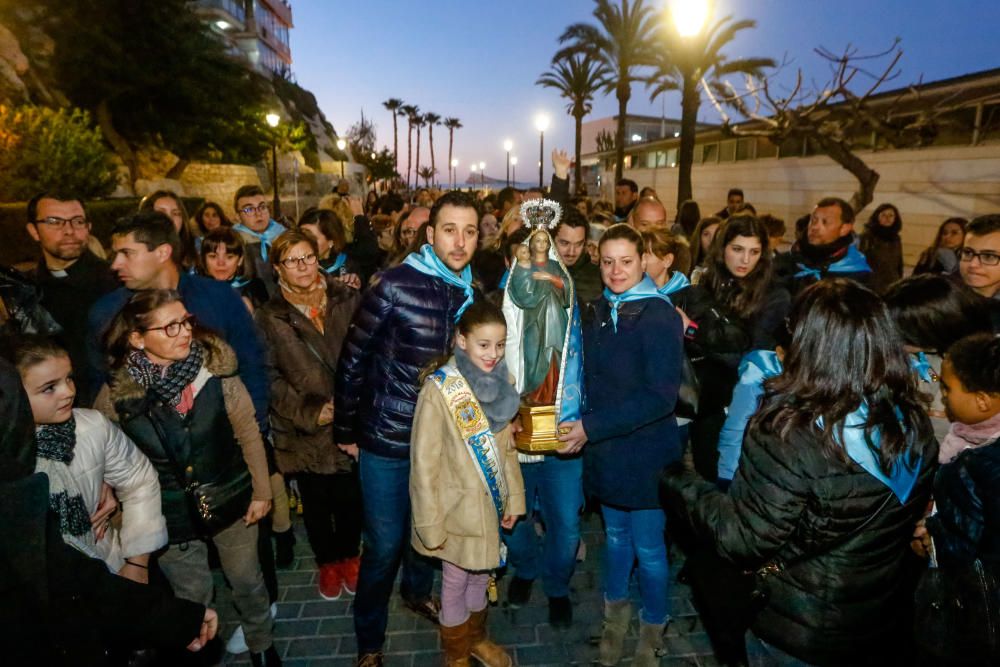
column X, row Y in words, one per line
column 349, row 568
column 330, row 583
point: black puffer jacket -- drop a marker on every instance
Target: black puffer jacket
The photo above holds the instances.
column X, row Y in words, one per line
column 404, row 321
column 967, row 492
column 849, row 602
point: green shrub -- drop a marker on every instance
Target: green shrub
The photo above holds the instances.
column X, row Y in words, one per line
column 45, row 149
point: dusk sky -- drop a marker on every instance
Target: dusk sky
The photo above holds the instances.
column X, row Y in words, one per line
column 478, row 61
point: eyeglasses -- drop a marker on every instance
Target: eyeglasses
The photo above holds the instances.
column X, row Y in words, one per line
column 304, row 260
column 986, row 258
column 78, row 222
column 173, row 329
column 260, row 208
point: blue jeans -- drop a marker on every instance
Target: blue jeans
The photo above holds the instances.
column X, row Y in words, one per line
column 559, row 485
column 385, row 491
column 632, row 534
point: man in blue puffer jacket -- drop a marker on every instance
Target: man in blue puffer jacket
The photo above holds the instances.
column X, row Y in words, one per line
column 405, row 320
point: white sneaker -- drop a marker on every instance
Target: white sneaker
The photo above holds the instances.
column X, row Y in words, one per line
column 238, row 642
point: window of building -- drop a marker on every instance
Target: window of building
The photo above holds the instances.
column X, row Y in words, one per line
column 727, row 151
column 745, row 148
column 711, row 153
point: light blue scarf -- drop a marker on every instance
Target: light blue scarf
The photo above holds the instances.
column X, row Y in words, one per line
column 901, row 479
column 266, row 237
column 852, row 262
column 644, row 289
column 429, row 264
column 756, row 366
column 759, row 365
column 678, row 281
column 337, row 264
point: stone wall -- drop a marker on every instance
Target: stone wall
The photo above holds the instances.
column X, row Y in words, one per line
column 217, row 182
column 926, row 185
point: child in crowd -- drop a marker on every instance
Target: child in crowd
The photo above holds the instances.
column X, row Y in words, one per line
column 80, row 450
column 465, row 483
column 964, row 525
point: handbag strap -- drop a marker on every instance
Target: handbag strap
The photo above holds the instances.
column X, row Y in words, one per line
column 776, row 565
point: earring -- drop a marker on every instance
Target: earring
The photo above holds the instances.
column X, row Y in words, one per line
column 141, row 346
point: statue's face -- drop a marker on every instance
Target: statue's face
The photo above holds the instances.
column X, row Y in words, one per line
column 540, row 242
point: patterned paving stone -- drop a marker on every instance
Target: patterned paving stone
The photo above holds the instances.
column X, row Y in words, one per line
column 312, row 632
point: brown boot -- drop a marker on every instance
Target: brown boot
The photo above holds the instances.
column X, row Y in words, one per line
column 455, row 641
column 485, row 651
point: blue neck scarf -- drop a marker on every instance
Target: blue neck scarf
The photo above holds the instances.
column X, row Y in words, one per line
column 266, row 237
column 852, row 262
column 901, row 479
column 678, row 281
column 237, row 283
column 644, row 289
column 922, row 367
column 337, row 264
column 429, row 264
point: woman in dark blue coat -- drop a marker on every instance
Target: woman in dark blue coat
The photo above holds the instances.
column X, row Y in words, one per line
column 632, row 343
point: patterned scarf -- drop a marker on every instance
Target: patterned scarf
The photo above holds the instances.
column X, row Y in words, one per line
column 166, row 386
column 56, row 446
column 311, row 303
column 56, row 442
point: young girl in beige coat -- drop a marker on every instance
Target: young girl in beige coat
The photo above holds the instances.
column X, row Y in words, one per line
column 465, row 482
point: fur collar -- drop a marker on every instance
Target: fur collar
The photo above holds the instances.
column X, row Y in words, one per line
column 220, row 361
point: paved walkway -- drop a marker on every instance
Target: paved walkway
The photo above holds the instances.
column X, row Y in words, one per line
column 314, row 632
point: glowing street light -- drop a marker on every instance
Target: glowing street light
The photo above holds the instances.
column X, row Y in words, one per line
column 513, row 169
column 541, row 124
column 689, row 16
column 454, row 165
column 272, row 120
column 341, row 145
column 507, row 146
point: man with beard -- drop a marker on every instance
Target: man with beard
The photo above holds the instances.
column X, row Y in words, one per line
column 825, row 247
column 404, row 321
column 70, row 276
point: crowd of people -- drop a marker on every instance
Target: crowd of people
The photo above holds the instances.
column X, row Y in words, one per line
column 817, row 433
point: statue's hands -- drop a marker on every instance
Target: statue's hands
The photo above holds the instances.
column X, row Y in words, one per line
column 542, row 275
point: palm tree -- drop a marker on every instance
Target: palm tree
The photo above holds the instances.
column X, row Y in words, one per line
column 432, row 120
column 418, row 122
column 393, row 105
column 452, row 124
column 576, row 78
column 411, row 110
column 622, row 40
column 691, row 62
column 426, row 173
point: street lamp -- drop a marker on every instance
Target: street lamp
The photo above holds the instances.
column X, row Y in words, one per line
column 472, row 168
column 689, row 16
column 507, row 146
column 341, row 145
column 541, row 124
column 513, row 169
column 482, row 175
column 454, row 173
column 273, row 119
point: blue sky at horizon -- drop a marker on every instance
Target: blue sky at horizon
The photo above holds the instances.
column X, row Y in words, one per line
column 478, row 61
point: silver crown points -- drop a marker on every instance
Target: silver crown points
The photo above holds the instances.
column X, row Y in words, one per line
column 541, row 213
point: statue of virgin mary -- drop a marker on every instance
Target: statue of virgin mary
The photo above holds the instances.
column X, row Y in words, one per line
column 544, row 343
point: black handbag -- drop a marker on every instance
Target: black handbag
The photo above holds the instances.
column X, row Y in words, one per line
column 689, row 392
column 957, row 613
column 214, row 505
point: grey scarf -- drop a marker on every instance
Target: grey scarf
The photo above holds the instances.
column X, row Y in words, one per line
column 493, row 390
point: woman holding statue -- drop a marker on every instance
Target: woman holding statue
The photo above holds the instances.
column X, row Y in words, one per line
column 632, row 342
